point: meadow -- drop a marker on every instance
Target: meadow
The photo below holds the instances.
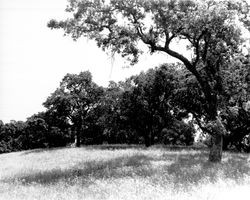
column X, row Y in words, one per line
column 125, row 172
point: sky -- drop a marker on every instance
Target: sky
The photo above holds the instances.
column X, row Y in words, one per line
column 34, row 59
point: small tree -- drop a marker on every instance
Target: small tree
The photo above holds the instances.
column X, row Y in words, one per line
column 210, row 27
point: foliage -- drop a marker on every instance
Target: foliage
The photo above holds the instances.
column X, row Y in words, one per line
column 111, row 113
column 234, row 109
column 146, row 106
column 11, row 136
column 237, row 122
column 179, row 133
column 37, row 132
column 209, row 26
column 74, row 101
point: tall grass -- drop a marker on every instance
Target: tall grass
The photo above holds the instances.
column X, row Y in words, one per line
column 125, row 173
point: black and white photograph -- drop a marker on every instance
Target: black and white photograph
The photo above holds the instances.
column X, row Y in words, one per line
column 124, row 99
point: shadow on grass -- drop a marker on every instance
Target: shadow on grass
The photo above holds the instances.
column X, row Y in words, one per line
column 115, row 168
column 181, row 168
column 191, row 169
column 90, row 147
column 116, row 147
column 41, row 150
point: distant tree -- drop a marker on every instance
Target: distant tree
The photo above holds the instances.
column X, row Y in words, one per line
column 148, row 107
column 1, row 126
column 136, row 106
column 2, row 137
column 111, row 112
column 74, row 100
column 11, row 136
column 36, row 133
column 59, row 133
column 211, row 28
column 20, row 131
column 179, row 133
column 165, row 84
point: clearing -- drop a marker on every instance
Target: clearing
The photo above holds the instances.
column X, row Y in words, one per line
column 99, row 172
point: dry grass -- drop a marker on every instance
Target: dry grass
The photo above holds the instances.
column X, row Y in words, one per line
column 125, row 173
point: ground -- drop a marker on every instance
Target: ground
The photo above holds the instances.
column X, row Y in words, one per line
column 102, row 172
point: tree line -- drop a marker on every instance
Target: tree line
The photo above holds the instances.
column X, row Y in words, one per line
column 150, row 108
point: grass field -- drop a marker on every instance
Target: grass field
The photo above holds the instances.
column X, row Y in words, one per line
column 122, row 173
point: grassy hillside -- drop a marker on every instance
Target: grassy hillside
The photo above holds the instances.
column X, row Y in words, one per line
column 129, row 173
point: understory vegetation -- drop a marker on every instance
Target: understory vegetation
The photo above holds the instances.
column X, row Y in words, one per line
column 122, row 172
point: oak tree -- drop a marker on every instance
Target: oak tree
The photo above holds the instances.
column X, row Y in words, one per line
column 74, row 100
column 210, row 28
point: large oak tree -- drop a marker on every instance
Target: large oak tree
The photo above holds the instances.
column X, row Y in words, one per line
column 210, row 27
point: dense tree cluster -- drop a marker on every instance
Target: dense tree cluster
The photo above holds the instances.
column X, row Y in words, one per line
column 138, row 110
column 152, row 107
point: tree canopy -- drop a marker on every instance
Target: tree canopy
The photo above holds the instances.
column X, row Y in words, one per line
column 212, row 29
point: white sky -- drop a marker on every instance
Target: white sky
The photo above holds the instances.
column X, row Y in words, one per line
column 34, row 59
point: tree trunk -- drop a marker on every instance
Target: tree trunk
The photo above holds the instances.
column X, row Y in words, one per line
column 216, row 148
column 152, row 138
column 217, row 131
column 147, row 139
column 77, row 137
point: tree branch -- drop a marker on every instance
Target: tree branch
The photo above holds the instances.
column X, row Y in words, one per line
column 204, row 85
column 204, row 129
column 180, row 57
column 196, row 44
column 168, row 38
column 206, row 38
column 191, row 67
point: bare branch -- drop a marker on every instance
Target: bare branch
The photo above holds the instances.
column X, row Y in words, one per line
column 168, row 38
